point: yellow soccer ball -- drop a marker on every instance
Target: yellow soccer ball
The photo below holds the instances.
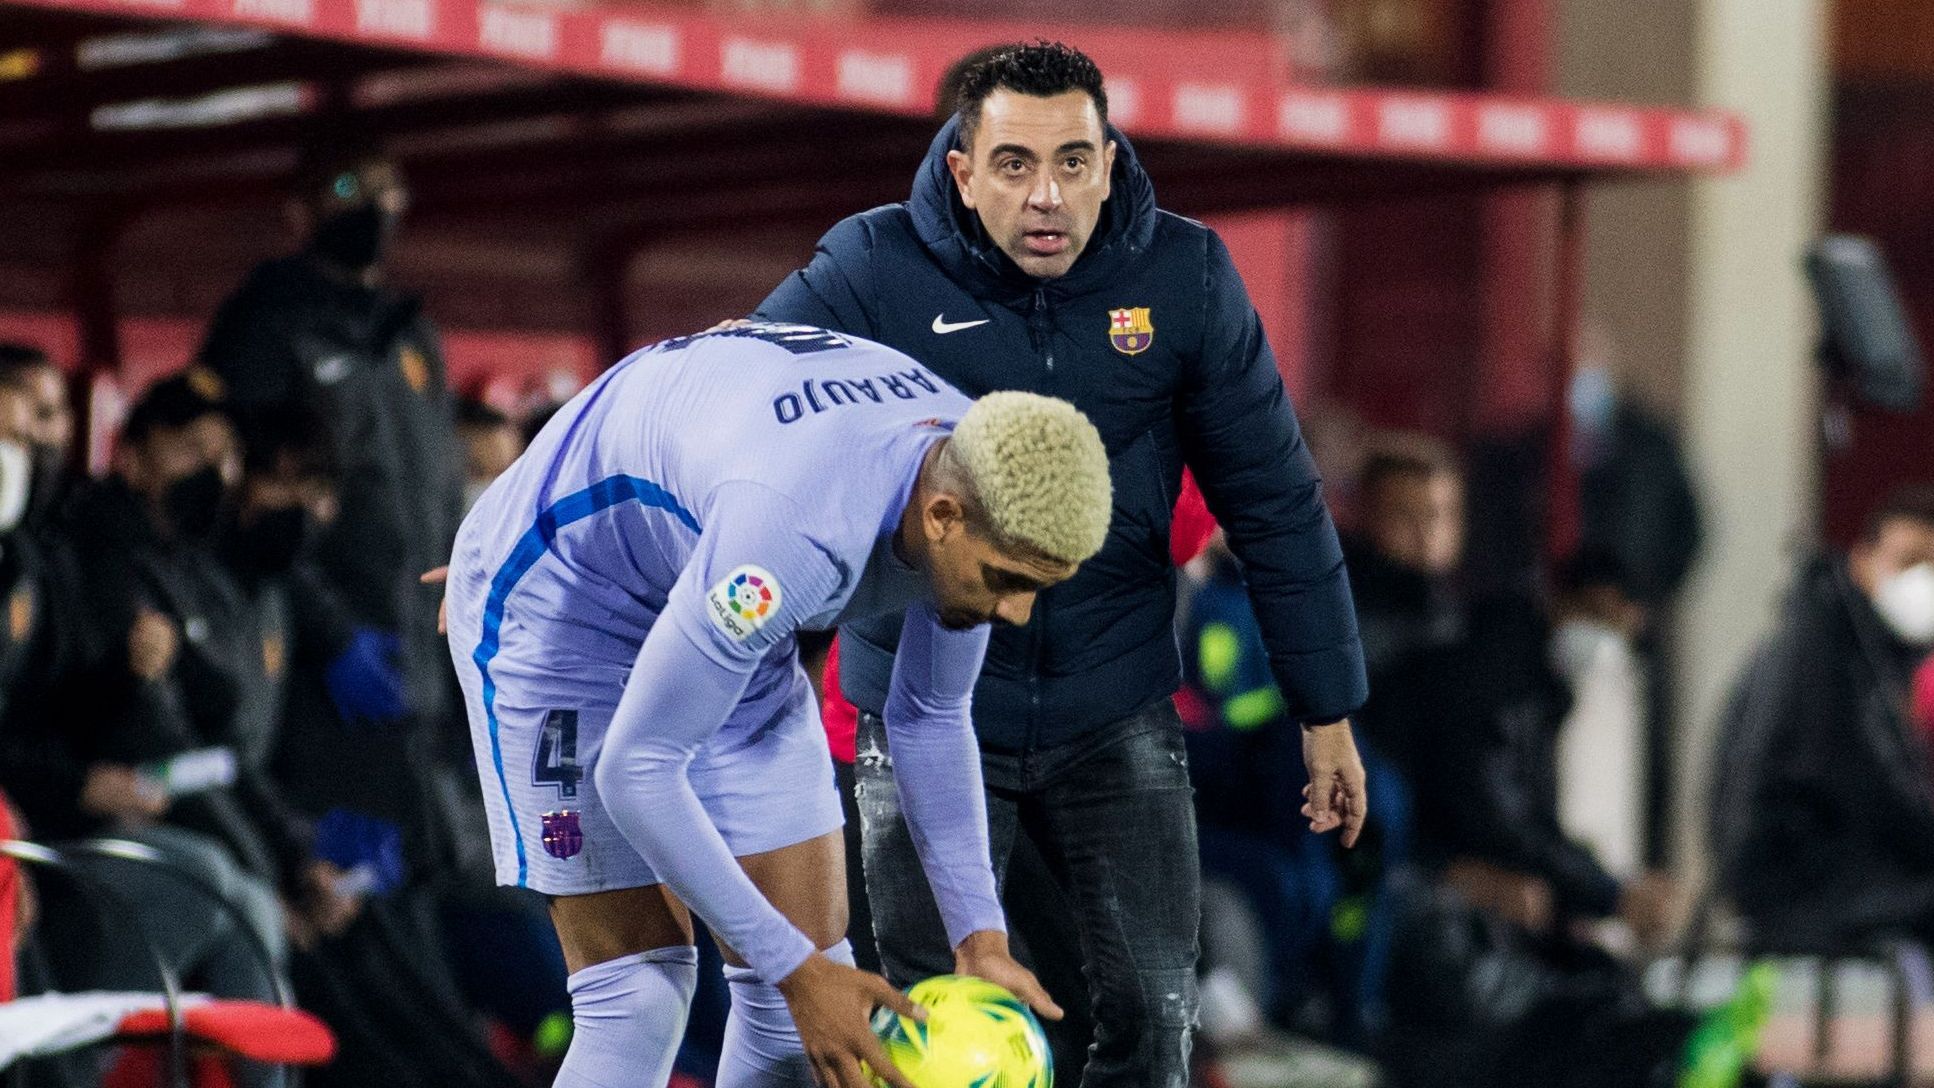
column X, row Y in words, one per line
column 977, row 1035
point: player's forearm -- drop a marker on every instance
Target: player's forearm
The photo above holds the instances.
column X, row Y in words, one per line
column 673, row 702
column 936, row 767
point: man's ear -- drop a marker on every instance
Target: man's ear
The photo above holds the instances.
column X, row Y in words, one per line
column 944, row 516
column 1108, row 170
column 962, row 168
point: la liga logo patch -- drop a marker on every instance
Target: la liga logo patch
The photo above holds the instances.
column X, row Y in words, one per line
column 744, row 601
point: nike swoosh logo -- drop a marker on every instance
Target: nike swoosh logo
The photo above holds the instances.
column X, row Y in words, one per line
column 942, row 326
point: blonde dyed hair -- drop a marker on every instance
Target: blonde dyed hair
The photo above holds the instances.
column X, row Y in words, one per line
column 1038, row 473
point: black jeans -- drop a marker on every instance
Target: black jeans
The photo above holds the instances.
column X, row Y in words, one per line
column 1114, row 817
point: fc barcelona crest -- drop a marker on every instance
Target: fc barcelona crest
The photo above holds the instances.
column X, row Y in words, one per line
column 563, row 836
column 1130, row 330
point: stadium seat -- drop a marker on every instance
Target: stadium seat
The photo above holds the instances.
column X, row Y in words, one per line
column 1715, row 930
column 258, row 1031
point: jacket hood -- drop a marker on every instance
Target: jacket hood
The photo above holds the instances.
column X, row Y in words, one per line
column 953, row 234
column 1824, row 599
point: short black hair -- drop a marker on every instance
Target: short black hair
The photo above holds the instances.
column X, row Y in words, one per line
column 17, row 358
column 1042, row 69
column 946, row 98
column 285, row 439
column 1413, row 456
column 169, row 404
column 472, row 412
column 535, row 421
column 1914, row 502
column 1593, row 568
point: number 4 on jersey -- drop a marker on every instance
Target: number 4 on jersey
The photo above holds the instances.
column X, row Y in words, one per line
column 557, row 754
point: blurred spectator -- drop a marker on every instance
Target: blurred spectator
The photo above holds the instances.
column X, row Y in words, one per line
column 163, row 728
column 187, row 562
column 1324, row 914
column 1636, row 504
column 19, row 563
column 1823, row 813
column 372, row 745
column 1487, row 982
column 491, row 441
column 1405, row 556
column 1472, row 696
column 40, row 762
column 319, row 330
column 20, row 589
column 48, row 430
column 1484, row 717
column 1635, row 494
column 1406, row 550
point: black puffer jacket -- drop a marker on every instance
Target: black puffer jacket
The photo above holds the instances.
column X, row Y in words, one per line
column 367, row 366
column 1479, row 721
column 924, row 278
column 1823, row 804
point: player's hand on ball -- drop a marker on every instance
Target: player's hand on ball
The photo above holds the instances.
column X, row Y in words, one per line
column 985, row 955
column 831, row 1005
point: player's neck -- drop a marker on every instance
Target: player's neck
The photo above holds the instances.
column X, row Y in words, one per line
column 909, row 541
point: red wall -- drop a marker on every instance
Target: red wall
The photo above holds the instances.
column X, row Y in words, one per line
column 1270, row 249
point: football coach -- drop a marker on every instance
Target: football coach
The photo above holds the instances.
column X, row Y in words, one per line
column 1032, row 255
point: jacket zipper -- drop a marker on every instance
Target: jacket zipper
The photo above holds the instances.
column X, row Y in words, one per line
column 1040, row 329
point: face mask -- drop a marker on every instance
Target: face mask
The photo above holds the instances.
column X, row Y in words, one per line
column 1576, row 646
column 273, row 541
column 1906, row 602
column 16, row 483
column 357, row 238
column 1593, row 398
column 194, row 503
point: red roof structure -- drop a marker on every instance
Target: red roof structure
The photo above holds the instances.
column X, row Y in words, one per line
column 569, row 161
column 144, row 144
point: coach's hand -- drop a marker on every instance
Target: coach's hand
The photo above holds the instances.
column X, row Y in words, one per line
column 832, row 1005
column 984, row 954
column 1336, row 796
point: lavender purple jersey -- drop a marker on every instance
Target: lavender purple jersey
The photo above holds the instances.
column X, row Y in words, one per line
column 622, row 607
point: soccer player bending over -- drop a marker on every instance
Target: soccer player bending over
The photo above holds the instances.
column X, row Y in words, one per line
column 621, row 611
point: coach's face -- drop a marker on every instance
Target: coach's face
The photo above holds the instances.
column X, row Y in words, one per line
column 1037, row 174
